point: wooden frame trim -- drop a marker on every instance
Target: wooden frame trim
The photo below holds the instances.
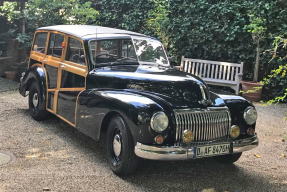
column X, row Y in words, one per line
column 73, row 125
column 70, row 67
column 76, row 108
column 83, row 45
column 56, row 101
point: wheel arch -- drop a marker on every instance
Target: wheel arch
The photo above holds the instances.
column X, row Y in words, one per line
column 108, row 117
column 35, row 73
column 29, row 83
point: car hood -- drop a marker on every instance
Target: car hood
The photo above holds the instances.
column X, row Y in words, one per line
column 177, row 88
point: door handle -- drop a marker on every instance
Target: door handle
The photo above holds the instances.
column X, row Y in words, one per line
column 44, row 60
column 63, row 66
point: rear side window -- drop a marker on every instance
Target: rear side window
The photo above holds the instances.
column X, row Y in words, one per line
column 40, row 42
column 55, row 45
column 75, row 51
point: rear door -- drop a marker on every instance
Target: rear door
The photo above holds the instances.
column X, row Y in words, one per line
column 72, row 73
column 52, row 62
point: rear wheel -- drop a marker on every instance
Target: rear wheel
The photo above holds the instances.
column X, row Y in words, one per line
column 120, row 148
column 37, row 106
column 227, row 159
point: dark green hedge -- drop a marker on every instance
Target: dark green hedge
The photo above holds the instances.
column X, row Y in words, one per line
column 203, row 29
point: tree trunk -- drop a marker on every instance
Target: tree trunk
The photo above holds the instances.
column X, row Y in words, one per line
column 22, row 19
column 256, row 68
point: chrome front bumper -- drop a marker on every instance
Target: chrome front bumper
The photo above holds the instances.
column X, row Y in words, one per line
column 181, row 153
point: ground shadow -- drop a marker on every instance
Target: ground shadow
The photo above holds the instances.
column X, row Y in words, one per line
column 192, row 175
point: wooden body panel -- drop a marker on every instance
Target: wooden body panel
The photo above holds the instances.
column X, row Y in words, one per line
column 55, row 67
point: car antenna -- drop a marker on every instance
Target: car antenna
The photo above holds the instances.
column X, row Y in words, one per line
column 96, row 47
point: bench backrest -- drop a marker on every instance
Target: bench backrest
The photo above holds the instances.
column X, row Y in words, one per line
column 212, row 69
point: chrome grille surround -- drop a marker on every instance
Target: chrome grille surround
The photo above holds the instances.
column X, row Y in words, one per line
column 208, row 125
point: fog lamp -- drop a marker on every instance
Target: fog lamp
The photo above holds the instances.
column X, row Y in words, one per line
column 187, row 136
column 158, row 139
column 234, row 131
column 250, row 131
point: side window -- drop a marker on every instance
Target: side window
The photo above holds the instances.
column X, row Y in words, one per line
column 40, row 42
column 75, row 51
column 55, row 45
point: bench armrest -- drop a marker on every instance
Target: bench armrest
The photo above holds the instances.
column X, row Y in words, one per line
column 239, row 77
column 178, row 67
column 240, row 74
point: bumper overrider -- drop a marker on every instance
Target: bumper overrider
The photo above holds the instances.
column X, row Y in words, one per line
column 181, row 153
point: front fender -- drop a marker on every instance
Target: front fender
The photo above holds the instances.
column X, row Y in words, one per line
column 237, row 105
column 35, row 73
column 94, row 105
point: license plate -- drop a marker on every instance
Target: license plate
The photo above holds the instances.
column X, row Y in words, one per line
column 211, row 150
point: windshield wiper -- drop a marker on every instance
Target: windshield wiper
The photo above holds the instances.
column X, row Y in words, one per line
column 125, row 61
column 153, row 64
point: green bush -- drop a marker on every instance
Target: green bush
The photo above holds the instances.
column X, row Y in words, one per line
column 205, row 29
column 215, row 30
column 275, row 85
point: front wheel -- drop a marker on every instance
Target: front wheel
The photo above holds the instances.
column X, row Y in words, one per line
column 227, row 159
column 120, row 148
column 37, row 106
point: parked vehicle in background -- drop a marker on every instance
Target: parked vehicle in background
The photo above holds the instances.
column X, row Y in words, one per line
column 100, row 79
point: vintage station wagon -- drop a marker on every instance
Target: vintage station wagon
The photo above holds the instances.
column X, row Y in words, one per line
column 100, row 79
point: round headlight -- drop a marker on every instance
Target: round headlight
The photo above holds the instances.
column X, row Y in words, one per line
column 250, row 115
column 159, row 121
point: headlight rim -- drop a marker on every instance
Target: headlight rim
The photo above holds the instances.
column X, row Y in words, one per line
column 153, row 118
column 245, row 115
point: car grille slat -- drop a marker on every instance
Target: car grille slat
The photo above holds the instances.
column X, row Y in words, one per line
column 207, row 125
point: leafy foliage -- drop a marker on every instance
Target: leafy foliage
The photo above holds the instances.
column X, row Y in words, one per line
column 205, row 29
column 256, row 28
column 40, row 13
column 215, row 30
column 124, row 14
column 276, row 83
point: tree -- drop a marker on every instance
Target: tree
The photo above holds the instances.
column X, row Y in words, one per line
column 257, row 29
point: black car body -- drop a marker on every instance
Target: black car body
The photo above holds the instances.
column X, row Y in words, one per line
column 121, row 82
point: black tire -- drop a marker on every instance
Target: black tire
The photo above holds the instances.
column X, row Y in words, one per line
column 227, row 159
column 124, row 162
column 37, row 111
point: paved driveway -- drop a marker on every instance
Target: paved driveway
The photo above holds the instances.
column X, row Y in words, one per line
column 51, row 155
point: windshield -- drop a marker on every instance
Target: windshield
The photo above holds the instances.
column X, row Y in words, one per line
column 127, row 51
column 113, row 51
column 150, row 51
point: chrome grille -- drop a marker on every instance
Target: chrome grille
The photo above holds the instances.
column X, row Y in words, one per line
column 207, row 125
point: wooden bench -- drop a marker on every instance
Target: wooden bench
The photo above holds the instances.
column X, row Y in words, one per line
column 214, row 72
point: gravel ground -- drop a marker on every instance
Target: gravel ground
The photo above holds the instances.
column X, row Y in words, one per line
column 53, row 156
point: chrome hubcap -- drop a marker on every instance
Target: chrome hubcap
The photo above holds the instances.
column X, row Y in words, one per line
column 117, row 145
column 35, row 100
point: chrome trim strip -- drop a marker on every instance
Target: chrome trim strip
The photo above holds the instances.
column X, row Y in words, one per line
column 181, row 153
